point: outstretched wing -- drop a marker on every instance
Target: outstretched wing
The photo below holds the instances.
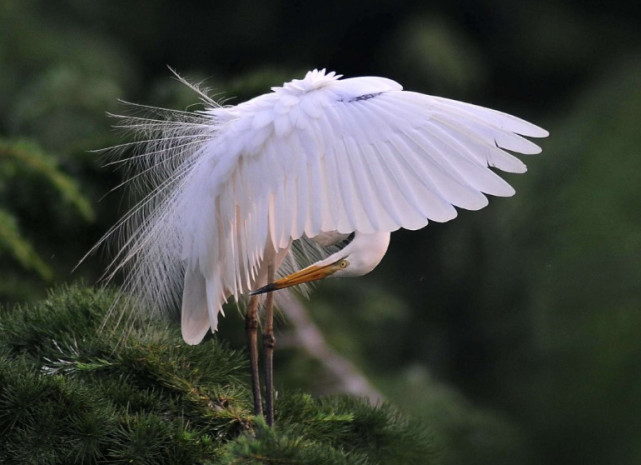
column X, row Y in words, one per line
column 316, row 155
column 368, row 157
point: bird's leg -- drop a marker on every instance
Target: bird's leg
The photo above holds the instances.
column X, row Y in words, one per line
column 269, row 341
column 251, row 327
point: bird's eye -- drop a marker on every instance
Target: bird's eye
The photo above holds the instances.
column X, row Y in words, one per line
column 343, row 264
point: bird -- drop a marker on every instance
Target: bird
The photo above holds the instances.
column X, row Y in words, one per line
column 237, row 198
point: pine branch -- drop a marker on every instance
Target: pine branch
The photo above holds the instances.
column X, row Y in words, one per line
column 71, row 392
column 29, row 156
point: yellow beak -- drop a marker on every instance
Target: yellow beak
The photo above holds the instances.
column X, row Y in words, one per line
column 306, row 275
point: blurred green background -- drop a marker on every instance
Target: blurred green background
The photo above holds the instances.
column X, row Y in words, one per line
column 515, row 331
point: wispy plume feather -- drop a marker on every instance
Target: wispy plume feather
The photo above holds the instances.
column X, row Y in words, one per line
column 165, row 147
column 148, row 242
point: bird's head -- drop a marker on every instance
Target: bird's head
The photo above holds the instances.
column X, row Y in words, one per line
column 313, row 272
column 359, row 257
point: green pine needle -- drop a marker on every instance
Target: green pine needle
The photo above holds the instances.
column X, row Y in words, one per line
column 74, row 393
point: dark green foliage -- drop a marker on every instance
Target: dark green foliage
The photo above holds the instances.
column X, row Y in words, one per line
column 49, row 419
column 24, row 162
column 463, row 432
column 84, row 395
column 286, row 445
column 381, row 432
column 334, row 430
column 585, row 299
column 73, row 392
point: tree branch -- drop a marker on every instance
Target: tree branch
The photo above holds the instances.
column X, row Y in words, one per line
column 311, row 339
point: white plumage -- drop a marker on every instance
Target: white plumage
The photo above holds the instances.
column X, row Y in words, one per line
column 232, row 186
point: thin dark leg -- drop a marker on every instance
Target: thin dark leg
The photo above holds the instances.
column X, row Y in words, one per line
column 251, row 328
column 269, row 341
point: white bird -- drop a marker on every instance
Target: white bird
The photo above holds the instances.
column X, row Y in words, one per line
column 231, row 189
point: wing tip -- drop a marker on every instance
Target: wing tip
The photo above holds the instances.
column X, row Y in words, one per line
column 538, row 132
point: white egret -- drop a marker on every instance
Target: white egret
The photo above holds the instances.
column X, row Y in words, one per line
column 231, row 189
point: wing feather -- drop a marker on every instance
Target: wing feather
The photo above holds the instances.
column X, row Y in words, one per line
column 361, row 202
column 340, row 188
column 503, row 122
column 426, row 198
column 449, row 154
column 319, row 203
column 379, row 202
column 389, row 158
column 447, row 182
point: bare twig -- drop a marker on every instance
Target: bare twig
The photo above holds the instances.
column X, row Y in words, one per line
column 311, row 339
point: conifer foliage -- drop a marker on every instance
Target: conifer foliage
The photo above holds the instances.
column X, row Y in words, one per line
column 73, row 392
column 21, row 163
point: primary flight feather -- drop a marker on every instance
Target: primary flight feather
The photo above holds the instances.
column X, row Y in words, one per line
column 230, row 188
